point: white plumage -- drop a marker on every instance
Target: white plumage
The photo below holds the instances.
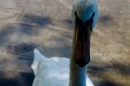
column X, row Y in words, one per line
column 52, row 71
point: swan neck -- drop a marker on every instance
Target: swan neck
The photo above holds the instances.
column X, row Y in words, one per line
column 77, row 73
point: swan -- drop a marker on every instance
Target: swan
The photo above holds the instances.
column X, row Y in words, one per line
column 61, row 71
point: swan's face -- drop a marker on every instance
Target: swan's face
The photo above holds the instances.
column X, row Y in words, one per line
column 82, row 40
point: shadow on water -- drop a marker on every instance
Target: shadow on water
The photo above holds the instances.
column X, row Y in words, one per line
column 41, row 21
column 120, row 70
column 105, row 18
column 69, row 24
column 5, row 33
column 21, row 79
column 95, row 68
column 108, row 83
column 25, row 29
column 68, row 21
column 29, row 27
column 61, row 49
column 22, row 51
column 55, row 51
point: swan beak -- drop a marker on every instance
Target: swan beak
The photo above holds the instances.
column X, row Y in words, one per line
column 82, row 44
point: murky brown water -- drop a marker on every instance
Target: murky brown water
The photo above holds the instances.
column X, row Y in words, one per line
column 46, row 24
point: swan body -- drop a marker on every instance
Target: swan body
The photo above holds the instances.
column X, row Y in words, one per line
column 59, row 71
column 52, row 71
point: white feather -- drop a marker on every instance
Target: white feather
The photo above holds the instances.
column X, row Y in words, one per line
column 53, row 71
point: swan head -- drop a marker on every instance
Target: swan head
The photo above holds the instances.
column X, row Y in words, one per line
column 84, row 17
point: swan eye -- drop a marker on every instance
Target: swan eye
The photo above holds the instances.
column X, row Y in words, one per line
column 93, row 14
